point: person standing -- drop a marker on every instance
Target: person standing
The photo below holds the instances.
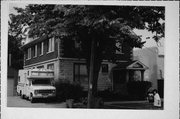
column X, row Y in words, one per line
column 157, row 99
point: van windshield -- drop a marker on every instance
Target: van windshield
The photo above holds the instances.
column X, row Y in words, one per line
column 41, row 82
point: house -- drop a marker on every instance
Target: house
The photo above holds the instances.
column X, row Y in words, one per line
column 59, row 55
column 153, row 57
column 12, row 77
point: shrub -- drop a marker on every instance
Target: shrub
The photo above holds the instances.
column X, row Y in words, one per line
column 138, row 89
column 66, row 90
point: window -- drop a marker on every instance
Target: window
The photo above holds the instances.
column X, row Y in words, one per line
column 35, row 54
column 40, row 67
column 80, row 74
column 41, row 48
column 29, row 53
column 78, row 45
column 104, row 68
column 119, row 47
column 51, row 45
column 50, row 66
column 34, row 51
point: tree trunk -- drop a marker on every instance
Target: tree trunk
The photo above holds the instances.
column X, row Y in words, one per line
column 91, row 75
column 94, row 67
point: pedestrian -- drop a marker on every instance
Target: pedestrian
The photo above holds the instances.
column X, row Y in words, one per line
column 157, row 99
column 150, row 95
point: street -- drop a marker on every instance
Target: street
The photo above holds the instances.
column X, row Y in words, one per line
column 15, row 101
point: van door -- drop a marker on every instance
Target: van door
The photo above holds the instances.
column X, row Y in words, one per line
column 26, row 88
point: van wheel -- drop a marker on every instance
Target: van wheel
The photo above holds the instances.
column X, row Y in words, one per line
column 20, row 93
column 31, row 98
column 17, row 94
column 22, row 96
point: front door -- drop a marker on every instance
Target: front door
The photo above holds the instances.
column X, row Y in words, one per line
column 119, row 81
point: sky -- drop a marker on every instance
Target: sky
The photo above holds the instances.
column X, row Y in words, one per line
column 144, row 33
column 12, row 5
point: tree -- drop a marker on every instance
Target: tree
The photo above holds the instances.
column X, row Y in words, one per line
column 15, row 52
column 96, row 28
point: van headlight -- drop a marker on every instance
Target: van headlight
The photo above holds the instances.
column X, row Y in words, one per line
column 36, row 92
column 53, row 91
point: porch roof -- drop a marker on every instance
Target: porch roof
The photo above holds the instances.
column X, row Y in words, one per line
column 131, row 65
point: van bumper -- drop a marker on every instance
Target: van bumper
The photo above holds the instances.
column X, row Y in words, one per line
column 44, row 96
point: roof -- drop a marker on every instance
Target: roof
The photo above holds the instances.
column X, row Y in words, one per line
column 35, row 41
column 131, row 65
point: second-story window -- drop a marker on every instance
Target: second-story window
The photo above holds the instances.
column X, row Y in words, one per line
column 34, row 51
column 41, row 48
column 29, row 53
column 119, row 49
column 51, row 45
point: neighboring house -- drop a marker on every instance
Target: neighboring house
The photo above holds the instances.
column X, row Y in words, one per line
column 12, row 77
column 59, row 55
column 152, row 57
column 12, row 81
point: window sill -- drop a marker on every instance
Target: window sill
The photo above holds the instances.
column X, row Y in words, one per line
column 34, row 56
column 41, row 55
column 28, row 59
column 49, row 52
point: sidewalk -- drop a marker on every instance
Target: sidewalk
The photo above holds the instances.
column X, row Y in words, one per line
column 130, row 105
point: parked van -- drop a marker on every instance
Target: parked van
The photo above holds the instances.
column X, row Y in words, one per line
column 36, row 83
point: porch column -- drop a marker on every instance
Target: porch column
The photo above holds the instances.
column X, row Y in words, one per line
column 142, row 75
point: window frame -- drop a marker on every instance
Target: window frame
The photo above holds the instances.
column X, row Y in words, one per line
column 35, row 51
column 104, row 68
column 79, row 73
column 28, row 53
column 41, row 48
column 52, row 64
column 40, row 67
column 50, row 45
column 120, row 46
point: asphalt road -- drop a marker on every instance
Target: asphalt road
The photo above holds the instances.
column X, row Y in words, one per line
column 16, row 101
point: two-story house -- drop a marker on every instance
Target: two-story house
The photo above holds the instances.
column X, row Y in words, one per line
column 58, row 55
column 153, row 57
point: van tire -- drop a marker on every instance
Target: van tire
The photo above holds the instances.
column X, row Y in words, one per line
column 17, row 94
column 21, row 95
column 32, row 100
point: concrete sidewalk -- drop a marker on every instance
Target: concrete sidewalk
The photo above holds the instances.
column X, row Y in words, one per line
column 131, row 105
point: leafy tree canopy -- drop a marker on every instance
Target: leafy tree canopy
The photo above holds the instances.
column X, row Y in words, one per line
column 81, row 23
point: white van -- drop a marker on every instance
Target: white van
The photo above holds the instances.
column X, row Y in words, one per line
column 36, row 83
